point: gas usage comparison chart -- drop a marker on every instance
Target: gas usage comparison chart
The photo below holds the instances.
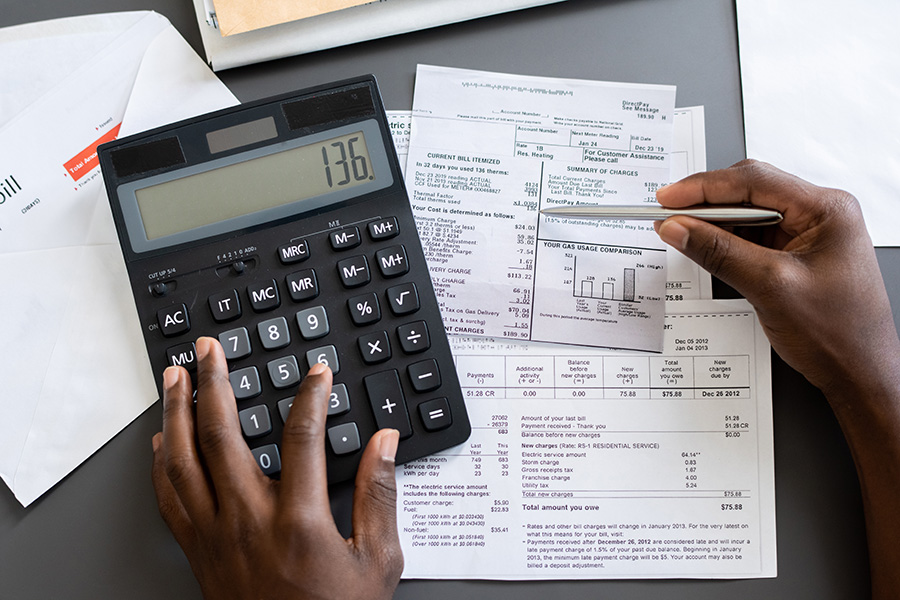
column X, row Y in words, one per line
column 487, row 152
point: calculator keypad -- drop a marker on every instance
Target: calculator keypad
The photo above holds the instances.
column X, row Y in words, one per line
column 353, row 303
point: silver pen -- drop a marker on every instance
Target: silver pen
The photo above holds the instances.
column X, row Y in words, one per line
column 720, row 215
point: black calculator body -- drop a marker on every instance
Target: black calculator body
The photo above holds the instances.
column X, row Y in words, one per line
column 283, row 228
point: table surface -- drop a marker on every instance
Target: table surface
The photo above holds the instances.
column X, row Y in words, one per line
column 98, row 533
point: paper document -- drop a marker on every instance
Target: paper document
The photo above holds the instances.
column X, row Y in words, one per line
column 591, row 464
column 370, row 21
column 79, row 371
column 238, row 16
column 685, row 279
column 487, row 152
column 821, row 85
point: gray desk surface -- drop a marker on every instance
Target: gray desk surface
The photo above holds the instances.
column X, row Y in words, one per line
column 98, row 533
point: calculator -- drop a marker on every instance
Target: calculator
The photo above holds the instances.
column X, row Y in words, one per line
column 283, row 228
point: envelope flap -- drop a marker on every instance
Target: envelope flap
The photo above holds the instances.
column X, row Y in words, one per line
column 50, row 52
column 157, row 79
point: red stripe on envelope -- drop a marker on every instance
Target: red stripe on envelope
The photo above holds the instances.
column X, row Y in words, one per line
column 82, row 163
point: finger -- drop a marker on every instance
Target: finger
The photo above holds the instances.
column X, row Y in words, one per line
column 182, row 466
column 743, row 265
column 303, row 472
column 375, row 501
column 170, row 506
column 232, row 468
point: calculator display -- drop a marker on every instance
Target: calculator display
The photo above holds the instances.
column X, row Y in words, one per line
column 248, row 187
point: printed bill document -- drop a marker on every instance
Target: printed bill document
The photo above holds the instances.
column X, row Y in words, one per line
column 592, row 464
column 487, row 152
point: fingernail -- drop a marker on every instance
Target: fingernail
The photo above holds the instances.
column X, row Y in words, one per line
column 155, row 441
column 317, row 369
column 170, row 378
column 674, row 234
column 202, row 347
column 388, row 445
column 665, row 187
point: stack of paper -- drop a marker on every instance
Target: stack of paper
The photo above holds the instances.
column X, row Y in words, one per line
column 583, row 463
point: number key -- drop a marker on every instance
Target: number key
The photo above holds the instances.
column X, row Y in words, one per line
column 245, row 383
column 327, row 355
column 284, row 372
column 267, row 458
column 313, row 323
column 235, row 343
column 255, row 421
column 274, row 333
column 339, row 401
column 284, row 408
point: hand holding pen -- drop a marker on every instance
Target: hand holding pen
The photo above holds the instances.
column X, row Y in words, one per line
column 817, row 288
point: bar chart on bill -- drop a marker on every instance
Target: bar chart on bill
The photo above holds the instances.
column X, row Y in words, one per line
column 620, row 288
column 588, row 285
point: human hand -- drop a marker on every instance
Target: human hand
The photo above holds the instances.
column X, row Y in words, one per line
column 247, row 536
column 813, row 279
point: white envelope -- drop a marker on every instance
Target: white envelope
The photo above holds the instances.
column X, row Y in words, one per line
column 74, row 367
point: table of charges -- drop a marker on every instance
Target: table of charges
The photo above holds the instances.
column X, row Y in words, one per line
column 577, row 376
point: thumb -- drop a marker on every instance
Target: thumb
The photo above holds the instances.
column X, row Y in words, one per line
column 375, row 500
column 741, row 264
